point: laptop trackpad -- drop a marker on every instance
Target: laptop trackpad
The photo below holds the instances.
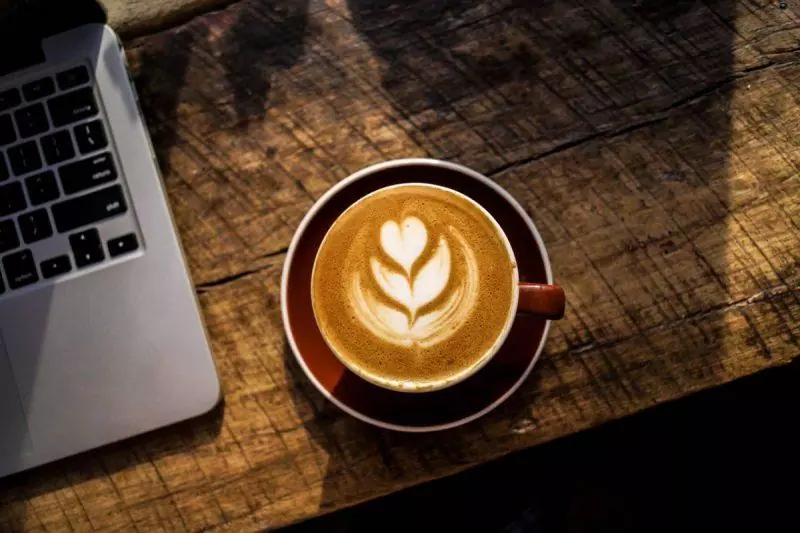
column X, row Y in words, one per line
column 15, row 440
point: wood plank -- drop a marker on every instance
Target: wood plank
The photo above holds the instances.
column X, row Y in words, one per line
column 654, row 147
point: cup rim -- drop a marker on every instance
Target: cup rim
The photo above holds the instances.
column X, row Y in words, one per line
column 397, row 385
column 300, row 232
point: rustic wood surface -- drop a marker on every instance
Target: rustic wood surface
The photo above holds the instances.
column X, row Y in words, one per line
column 655, row 144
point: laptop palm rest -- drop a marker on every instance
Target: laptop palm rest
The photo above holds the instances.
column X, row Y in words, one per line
column 15, row 440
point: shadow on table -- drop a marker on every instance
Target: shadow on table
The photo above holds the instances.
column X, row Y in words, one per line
column 721, row 460
column 252, row 44
column 622, row 108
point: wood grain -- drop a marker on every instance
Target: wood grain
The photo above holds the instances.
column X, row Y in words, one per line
column 654, row 144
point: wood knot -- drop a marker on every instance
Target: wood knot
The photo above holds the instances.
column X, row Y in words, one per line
column 668, row 247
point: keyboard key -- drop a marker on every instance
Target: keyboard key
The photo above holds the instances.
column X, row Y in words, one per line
column 89, row 208
column 9, row 98
column 87, row 248
column 8, row 236
column 31, row 120
column 123, row 245
column 12, row 199
column 90, row 136
column 4, row 173
column 72, row 107
column 72, row 78
column 7, row 133
column 87, row 173
column 42, row 188
column 35, row 226
column 57, row 147
column 55, row 266
column 20, row 269
column 24, row 158
column 38, row 89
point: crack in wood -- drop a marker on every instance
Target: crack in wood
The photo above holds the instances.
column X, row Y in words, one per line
column 768, row 295
column 221, row 282
column 658, row 117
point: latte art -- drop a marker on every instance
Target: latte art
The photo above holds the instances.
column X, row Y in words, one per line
column 415, row 316
column 413, row 284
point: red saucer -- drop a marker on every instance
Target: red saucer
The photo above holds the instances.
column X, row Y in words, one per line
column 429, row 411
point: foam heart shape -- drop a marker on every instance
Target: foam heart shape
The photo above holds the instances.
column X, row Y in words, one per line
column 405, row 242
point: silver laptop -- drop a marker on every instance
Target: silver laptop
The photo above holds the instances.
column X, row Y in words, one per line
column 100, row 333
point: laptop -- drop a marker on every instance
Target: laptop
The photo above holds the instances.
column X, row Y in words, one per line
column 100, row 333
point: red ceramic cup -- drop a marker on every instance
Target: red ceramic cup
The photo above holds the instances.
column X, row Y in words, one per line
column 536, row 298
column 467, row 398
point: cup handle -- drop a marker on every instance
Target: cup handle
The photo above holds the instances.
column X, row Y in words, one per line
column 547, row 301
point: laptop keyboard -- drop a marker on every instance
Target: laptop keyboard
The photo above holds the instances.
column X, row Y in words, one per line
column 59, row 182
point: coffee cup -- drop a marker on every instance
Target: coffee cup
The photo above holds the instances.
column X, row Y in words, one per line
column 415, row 286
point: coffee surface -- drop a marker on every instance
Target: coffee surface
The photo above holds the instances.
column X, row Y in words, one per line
column 413, row 284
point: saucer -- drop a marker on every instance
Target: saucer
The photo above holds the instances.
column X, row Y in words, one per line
column 402, row 411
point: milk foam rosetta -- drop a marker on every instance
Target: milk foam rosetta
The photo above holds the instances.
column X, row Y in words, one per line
column 413, row 283
column 412, row 318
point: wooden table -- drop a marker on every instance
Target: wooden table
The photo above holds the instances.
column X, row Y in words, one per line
column 656, row 148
